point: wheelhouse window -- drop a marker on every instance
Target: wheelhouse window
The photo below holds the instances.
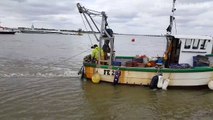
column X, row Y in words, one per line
column 188, row 43
column 203, row 44
column 195, row 44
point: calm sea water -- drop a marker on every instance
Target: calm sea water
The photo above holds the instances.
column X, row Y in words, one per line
column 39, row 81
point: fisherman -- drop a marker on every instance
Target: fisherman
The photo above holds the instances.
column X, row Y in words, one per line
column 108, row 33
column 96, row 52
column 106, row 49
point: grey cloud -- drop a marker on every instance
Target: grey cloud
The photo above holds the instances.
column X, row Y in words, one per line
column 193, row 1
column 33, row 11
column 48, row 8
column 20, row 1
column 135, row 16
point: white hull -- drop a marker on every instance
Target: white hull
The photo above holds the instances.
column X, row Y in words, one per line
column 144, row 78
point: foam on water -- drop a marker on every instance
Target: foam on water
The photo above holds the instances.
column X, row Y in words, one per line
column 15, row 68
column 45, row 75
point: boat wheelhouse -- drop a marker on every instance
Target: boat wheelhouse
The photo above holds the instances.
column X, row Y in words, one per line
column 183, row 48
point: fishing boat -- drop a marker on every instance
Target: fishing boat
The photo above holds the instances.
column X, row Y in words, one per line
column 187, row 60
column 4, row 31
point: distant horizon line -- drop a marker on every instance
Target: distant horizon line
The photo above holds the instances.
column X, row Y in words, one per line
column 86, row 31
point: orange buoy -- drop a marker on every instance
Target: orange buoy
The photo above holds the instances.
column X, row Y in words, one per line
column 133, row 39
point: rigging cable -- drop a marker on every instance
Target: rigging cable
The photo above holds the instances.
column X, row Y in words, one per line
column 75, row 55
column 90, row 26
column 67, row 59
column 175, row 28
column 87, row 30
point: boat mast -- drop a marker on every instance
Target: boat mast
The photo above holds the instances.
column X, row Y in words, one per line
column 104, row 35
column 172, row 18
column 169, row 36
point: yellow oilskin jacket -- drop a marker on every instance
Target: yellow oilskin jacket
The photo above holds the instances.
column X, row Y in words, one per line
column 95, row 53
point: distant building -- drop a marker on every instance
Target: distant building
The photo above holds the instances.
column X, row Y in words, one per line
column 32, row 27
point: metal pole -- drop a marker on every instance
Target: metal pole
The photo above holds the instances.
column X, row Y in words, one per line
column 90, row 26
column 101, row 34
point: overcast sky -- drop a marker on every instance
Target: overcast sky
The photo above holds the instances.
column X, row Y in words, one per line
column 124, row 16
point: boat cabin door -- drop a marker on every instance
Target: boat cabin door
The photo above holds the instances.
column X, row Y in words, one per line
column 173, row 48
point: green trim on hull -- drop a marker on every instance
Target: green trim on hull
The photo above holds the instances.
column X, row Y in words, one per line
column 124, row 57
column 209, row 55
column 164, row 70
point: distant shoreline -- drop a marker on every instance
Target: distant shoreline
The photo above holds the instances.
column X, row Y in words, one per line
column 69, row 32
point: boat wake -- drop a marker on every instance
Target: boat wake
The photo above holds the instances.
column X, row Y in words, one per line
column 40, row 74
column 16, row 68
